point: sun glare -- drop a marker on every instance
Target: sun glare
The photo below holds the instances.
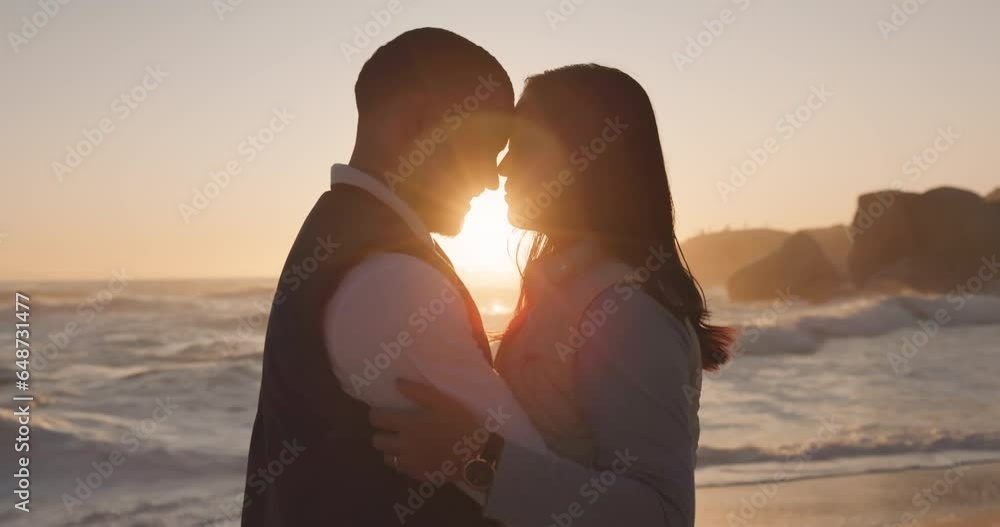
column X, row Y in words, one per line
column 481, row 249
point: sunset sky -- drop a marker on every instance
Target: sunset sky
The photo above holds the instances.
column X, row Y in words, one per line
column 210, row 83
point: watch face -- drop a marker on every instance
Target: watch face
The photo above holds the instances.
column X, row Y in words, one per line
column 478, row 473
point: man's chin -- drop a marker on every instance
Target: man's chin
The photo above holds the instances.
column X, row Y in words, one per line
column 449, row 231
column 447, row 218
column 450, row 226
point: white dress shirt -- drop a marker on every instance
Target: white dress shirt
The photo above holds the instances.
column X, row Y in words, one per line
column 395, row 316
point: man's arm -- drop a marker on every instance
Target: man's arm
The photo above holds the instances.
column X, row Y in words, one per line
column 395, row 316
column 531, row 483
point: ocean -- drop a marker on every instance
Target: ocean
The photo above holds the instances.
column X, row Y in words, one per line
column 145, row 393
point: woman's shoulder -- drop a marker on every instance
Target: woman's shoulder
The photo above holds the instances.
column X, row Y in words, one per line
column 585, row 287
column 611, row 282
column 636, row 316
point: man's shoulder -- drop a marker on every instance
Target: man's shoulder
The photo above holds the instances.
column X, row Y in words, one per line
column 393, row 296
column 393, row 268
column 390, row 278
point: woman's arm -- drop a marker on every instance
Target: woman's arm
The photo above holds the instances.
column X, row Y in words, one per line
column 630, row 378
column 630, row 382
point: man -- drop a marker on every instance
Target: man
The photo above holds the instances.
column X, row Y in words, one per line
column 367, row 297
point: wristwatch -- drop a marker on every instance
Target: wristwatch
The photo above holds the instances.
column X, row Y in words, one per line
column 479, row 471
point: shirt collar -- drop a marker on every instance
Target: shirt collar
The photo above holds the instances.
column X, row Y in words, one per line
column 348, row 175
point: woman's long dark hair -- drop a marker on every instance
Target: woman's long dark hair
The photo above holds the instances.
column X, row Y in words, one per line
column 620, row 198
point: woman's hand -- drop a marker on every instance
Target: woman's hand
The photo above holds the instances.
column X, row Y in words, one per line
column 429, row 442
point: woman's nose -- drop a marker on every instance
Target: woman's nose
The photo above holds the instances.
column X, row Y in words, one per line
column 504, row 165
column 493, row 182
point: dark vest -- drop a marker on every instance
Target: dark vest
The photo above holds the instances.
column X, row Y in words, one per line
column 311, row 461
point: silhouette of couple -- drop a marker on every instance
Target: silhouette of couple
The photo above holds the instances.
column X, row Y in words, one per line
column 377, row 368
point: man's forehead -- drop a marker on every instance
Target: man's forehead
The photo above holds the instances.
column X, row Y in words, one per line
column 489, row 123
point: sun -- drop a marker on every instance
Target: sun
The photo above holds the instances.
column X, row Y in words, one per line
column 480, row 250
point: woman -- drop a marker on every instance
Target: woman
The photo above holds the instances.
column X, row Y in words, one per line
column 610, row 334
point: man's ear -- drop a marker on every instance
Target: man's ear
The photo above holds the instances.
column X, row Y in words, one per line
column 411, row 113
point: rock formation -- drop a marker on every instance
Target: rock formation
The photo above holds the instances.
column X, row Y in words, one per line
column 715, row 257
column 799, row 268
column 932, row 242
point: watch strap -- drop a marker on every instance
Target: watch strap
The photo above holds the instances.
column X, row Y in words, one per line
column 493, row 448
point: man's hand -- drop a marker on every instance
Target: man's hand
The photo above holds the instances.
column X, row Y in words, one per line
column 434, row 439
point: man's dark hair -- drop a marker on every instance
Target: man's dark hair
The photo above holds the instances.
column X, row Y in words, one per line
column 427, row 59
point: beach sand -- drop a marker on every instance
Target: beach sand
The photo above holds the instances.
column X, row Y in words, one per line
column 966, row 496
